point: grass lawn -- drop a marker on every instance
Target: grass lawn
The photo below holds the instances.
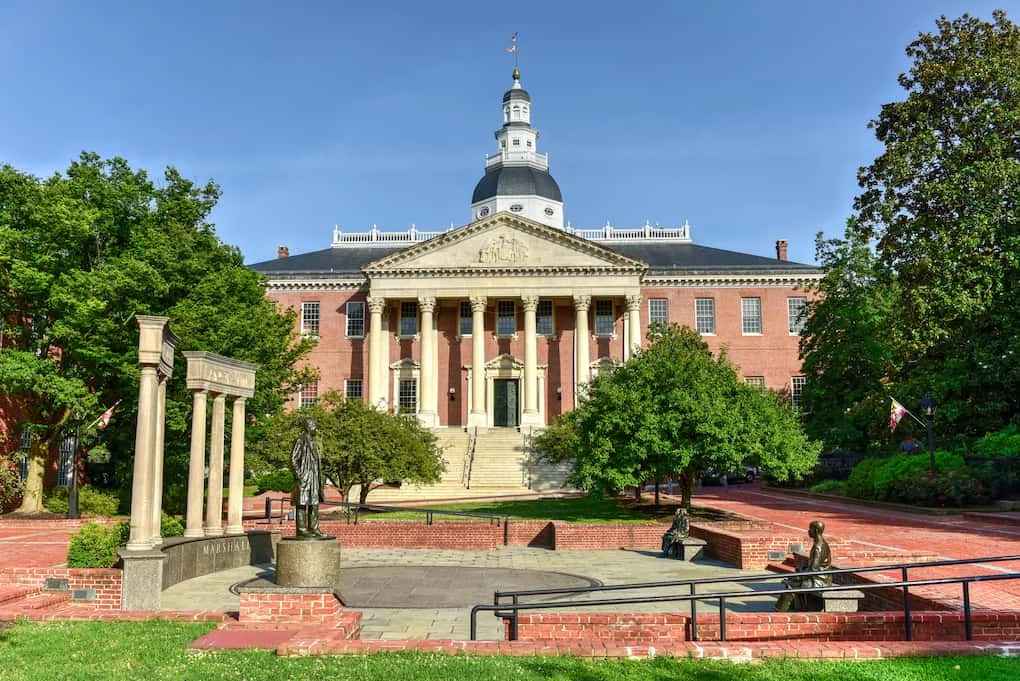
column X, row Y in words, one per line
column 157, row 650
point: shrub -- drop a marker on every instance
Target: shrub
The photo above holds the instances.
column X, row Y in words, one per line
column 829, row 487
column 886, row 478
column 280, row 480
column 94, row 546
column 170, row 526
column 10, row 483
column 861, row 483
column 948, row 488
column 1005, row 442
column 91, row 501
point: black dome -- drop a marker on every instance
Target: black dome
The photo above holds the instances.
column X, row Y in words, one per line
column 516, row 93
column 516, row 181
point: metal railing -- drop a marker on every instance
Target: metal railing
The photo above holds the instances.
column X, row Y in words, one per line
column 512, row 610
column 469, row 461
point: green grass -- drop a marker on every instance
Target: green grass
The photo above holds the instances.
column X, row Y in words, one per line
column 155, row 651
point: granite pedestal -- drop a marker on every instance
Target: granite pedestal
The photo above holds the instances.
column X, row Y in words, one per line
column 308, row 563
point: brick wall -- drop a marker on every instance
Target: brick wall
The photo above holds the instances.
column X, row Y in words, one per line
column 105, row 582
column 283, row 609
column 606, row 536
column 745, row 545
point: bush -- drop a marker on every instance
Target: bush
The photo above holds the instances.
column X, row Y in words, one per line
column 1001, row 443
column 948, row 488
column 91, row 501
column 829, row 487
column 170, row 526
column 886, row 478
column 94, row 546
column 280, row 480
column 10, row 483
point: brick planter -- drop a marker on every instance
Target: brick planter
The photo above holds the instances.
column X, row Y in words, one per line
column 269, row 604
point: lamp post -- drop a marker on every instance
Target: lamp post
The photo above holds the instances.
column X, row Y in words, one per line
column 72, row 492
column 928, row 406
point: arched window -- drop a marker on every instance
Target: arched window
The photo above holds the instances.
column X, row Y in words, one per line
column 506, row 114
column 517, row 113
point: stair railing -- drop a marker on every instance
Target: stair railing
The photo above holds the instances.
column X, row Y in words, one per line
column 469, row 460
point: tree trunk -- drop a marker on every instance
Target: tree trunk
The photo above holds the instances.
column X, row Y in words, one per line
column 32, row 497
column 366, row 487
column 657, row 492
column 687, row 489
column 637, row 493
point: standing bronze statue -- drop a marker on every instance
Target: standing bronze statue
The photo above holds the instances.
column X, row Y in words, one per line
column 305, row 460
column 820, row 558
column 673, row 539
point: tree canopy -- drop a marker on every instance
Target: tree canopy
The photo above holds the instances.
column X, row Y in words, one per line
column 675, row 411
column 83, row 251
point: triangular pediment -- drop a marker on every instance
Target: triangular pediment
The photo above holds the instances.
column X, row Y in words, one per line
column 505, row 242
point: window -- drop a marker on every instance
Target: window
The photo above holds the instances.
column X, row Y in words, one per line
column 465, row 318
column 310, row 319
column 506, row 318
column 604, row 318
column 529, row 144
column 757, row 381
column 23, row 451
column 309, row 394
column 658, row 311
column 517, row 208
column 354, row 389
column 517, row 142
column 355, row 320
column 66, row 462
column 544, row 318
column 796, row 390
column 797, row 308
column 750, row 315
column 409, row 318
column 704, row 315
column 407, row 396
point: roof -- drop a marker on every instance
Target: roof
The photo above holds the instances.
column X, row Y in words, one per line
column 516, row 181
column 516, row 93
column 662, row 258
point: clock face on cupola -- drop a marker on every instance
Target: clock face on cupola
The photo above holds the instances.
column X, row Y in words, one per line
column 517, row 176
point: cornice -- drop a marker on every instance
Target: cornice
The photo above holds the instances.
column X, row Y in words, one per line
column 722, row 280
column 489, row 272
column 324, row 284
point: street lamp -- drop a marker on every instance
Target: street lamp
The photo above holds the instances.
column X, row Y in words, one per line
column 928, row 407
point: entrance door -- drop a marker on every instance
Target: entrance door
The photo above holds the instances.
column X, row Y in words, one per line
column 504, row 408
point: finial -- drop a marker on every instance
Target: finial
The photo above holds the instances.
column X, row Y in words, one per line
column 517, row 73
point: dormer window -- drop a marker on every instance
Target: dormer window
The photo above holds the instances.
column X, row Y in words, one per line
column 517, row 142
column 517, row 208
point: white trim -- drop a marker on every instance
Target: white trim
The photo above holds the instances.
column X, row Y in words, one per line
column 347, row 318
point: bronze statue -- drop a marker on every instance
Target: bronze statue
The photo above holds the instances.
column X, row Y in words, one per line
column 673, row 539
column 305, row 460
column 820, row 558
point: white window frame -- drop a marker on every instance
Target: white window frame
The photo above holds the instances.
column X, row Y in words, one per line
column 65, row 460
column 756, row 381
column 462, row 318
column 400, row 394
column 652, row 302
column 355, row 304
column 361, row 388
column 796, row 326
column 595, row 317
column 744, row 319
column 306, row 307
column 400, row 322
column 797, row 384
column 539, row 317
column 711, row 319
column 312, row 387
column 24, row 450
column 500, row 316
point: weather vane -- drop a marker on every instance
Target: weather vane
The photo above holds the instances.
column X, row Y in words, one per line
column 513, row 48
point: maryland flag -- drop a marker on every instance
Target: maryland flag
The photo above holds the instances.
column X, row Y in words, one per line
column 896, row 414
column 104, row 419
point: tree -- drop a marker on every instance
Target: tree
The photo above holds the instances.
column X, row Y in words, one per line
column 360, row 445
column 675, row 410
column 80, row 254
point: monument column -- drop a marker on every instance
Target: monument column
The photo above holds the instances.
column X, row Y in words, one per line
column 634, row 322
column 477, row 416
column 235, row 498
column 196, row 465
column 156, row 518
column 376, row 354
column 582, row 355
column 530, row 416
column 427, row 412
column 214, row 497
column 141, row 480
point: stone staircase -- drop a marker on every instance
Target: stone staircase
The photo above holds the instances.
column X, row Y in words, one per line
column 32, row 602
column 455, row 443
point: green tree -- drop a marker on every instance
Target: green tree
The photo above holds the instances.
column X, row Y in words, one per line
column 83, row 251
column 360, row 446
column 675, row 410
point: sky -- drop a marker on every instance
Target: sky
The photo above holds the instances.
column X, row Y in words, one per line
column 747, row 119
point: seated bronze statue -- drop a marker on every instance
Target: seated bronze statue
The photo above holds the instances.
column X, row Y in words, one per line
column 673, row 539
column 820, row 558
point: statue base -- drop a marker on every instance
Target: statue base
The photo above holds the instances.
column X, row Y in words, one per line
column 687, row 549
column 308, row 563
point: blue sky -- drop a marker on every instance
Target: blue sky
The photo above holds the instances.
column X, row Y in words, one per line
column 749, row 119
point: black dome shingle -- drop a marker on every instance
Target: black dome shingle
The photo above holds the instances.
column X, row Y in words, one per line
column 516, row 181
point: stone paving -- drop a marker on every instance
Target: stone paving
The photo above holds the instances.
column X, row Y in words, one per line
column 415, row 622
column 34, row 547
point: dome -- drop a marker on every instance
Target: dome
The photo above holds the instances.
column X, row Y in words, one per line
column 516, row 94
column 516, row 181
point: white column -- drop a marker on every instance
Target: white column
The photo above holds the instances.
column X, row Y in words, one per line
column 196, row 465
column 376, row 352
column 634, row 323
column 582, row 355
column 477, row 416
column 427, row 411
column 141, row 482
column 530, row 417
column 235, row 497
column 214, row 497
column 155, row 519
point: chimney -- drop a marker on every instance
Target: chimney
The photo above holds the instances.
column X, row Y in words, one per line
column 781, row 250
column 284, row 252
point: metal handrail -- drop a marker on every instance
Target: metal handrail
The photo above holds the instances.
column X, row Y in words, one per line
column 470, row 463
column 429, row 512
column 965, row 582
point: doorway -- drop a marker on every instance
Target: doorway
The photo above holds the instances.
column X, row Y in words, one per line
column 506, row 403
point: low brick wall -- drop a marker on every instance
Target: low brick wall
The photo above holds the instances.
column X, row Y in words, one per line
column 609, row 536
column 410, row 534
column 667, row 628
column 745, row 544
column 55, row 523
column 106, row 583
column 321, row 608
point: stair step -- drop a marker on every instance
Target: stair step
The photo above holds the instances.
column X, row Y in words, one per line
column 42, row 600
column 14, row 593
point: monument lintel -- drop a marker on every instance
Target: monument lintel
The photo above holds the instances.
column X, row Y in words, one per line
column 221, row 375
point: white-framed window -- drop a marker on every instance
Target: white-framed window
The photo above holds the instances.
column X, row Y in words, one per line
column 704, row 316
column 356, row 319
column 544, row 318
column 517, row 142
column 658, row 311
column 465, row 323
column 310, row 318
column 309, row 393
column 506, row 318
column 354, row 389
column 407, row 396
column 65, row 467
column 529, row 144
column 409, row 318
column 604, row 321
column 757, row 381
column 24, row 449
column 796, row 390
column 750, row 316
column 797, row 314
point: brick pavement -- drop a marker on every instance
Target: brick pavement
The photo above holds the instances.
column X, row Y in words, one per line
column 34, row 546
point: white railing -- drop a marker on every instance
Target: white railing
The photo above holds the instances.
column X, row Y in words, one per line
column 609, row 233
column 518, row 156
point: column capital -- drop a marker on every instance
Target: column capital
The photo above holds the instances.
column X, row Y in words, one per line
column 240, row 400
column 478, row 303
column 427, row 303
column 633, row 302
column 375, row 303
column 529, row 303
column 582, row 303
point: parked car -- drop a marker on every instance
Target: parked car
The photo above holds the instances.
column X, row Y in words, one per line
column 744, row 474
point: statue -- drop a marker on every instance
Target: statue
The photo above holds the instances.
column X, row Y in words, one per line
column 820, row 558
column 305, row 460
column 673, row 539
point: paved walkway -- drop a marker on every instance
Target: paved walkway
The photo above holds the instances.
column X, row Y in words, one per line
column 24, row 547
column 411, row 620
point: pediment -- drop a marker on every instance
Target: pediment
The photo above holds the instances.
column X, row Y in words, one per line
column 505, row 242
